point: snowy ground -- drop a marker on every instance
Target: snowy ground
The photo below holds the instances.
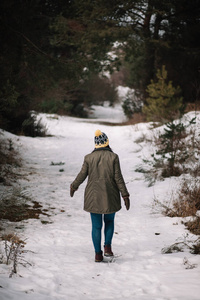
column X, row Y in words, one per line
column 61, row 252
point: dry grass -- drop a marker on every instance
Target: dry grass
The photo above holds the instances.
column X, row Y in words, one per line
column 186, row 204
column 12, row 238
column 13, row 252
column 188, row 201
column 194, row 227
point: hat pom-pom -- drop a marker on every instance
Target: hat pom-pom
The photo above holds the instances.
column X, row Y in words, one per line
column 98, row 132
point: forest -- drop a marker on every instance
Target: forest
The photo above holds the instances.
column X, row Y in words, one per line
column 54, row 54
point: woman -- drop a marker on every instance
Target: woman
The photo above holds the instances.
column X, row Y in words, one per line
column 102, row 193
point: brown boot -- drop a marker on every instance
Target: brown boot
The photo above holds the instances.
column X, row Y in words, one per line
column 99, row 257
column 108, row 250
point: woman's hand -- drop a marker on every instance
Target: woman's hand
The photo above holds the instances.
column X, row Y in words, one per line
column 127, row 202
column 72, row 191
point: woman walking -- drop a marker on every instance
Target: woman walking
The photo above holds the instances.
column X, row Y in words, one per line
column 102, row 193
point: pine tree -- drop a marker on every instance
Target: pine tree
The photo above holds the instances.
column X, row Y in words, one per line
column 164, row 103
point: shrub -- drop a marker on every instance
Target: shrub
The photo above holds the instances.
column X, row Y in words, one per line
column 196, row 247
column 176, row 150
column 14, row 252
column 188, row 199
column 56, row 106
column 187, row 203
column 172, row 148
column 132, row 104
column 33, row 127
column 194, row 226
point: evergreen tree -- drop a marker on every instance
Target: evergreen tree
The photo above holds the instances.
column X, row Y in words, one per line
column 164, row 103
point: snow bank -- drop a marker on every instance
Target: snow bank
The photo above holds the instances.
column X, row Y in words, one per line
column 61, row 251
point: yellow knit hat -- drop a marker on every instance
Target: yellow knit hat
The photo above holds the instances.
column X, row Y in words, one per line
column 101, row 140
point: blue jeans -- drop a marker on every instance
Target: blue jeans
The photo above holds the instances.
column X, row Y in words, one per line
column 97, row 223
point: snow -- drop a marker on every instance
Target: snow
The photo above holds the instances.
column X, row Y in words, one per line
column 105, row 113
column 61, row 252
column 123, row 91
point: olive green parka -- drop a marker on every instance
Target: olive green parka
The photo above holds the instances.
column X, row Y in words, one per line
column 105, row 182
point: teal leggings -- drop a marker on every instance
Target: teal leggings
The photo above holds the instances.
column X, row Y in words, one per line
column 97, row 223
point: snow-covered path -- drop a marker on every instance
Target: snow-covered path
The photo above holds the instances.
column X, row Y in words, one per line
column 62, row 254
